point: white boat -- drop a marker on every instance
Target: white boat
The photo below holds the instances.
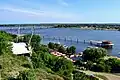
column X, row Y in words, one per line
column 92, row 47
column 104, row 43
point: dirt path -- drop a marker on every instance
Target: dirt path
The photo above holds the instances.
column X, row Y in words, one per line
column 107, row 75
column 111, row 76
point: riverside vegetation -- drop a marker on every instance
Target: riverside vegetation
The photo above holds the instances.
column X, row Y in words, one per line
column 90, row 26
column 45, row 66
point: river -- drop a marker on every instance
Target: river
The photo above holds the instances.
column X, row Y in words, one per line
column 74, row 34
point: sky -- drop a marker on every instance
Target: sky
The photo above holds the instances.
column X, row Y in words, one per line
column 59, row 11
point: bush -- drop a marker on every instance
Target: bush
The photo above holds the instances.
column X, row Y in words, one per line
column 62, row 49
column 78, row 63
column 82, row 76
column 26, row 65
column 71, row 50
column 51, row 45
column 5, row 46
column 27, row 75
column 93, row 54
column 101, row 68
column 61, row 66
column 114, row 63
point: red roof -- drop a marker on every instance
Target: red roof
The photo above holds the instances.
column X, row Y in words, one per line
column 107, row 42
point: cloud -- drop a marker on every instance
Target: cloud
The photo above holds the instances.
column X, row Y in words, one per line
column 22, row 10
column 37, row 15
column 62, row 2
column 36, row 12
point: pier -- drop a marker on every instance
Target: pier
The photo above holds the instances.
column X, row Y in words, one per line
column 66, row 39
column 104, row 43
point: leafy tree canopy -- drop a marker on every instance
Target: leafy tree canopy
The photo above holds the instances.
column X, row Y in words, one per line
column 71, row 50
column 5, row 45
column 93, row 54
column 35, row 40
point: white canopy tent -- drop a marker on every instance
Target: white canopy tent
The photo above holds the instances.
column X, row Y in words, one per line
column 20, row 48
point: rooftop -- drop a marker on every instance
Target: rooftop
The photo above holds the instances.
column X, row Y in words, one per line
column 19, row 48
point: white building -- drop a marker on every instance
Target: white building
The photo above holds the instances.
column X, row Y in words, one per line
column 20, row 49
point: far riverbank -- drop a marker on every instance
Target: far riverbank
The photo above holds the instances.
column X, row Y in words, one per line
column 92, row 28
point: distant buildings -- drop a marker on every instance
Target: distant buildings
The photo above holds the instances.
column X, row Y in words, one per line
column 61, row 55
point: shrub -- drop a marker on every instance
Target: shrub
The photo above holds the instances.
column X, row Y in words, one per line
column 93, row 54
column 27, row 75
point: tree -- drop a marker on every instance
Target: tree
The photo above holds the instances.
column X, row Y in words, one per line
column 78, row 63
column 77, row 75
column 71, row 50
column 101, row 68
column 61, row 49
column 37, row 60
column 56, row 45
column 5, row 45
column 4, row 36
column 35, row 40
column 63, row 67
column 88, row 65
column 93, row 54
column 51, row 45
column 43, row 48
column 114, row 63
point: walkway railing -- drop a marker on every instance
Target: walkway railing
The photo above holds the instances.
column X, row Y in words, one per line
column 65, row 39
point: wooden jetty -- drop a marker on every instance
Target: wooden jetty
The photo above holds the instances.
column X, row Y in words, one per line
column 104, row 43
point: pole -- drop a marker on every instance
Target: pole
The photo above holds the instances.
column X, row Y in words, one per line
column 65, row 38
column 59, row 38
column 77, row 40
column 18, row 33
column 84, row 41
column 71, row 39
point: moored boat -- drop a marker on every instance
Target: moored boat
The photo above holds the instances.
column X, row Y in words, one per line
column 104, row 44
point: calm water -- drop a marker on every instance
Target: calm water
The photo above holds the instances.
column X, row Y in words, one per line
column 75, row 34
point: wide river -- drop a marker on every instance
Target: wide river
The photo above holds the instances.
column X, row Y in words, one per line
column 74, row 34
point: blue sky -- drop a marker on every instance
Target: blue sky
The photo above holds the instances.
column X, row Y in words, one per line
column 59, row 11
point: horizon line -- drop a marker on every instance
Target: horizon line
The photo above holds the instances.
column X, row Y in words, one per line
column 64, row 23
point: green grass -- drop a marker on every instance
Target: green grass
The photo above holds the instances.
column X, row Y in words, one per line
column 11, row 65
column 43, row 75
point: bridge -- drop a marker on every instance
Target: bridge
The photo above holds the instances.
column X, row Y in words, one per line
column 50, row 25
column 23, row 28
